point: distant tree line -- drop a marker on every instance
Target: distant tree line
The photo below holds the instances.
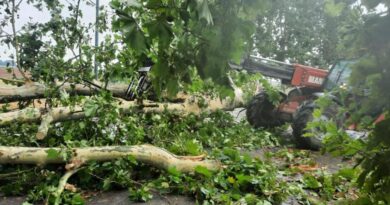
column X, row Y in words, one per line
column 7, row 63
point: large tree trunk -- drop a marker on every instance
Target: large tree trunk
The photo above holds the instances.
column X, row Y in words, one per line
column 147, row 154
column 77, row 112
column 57, row 114
column 36, row 90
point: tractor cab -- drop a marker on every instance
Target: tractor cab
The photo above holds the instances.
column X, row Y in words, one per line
column 339, row 75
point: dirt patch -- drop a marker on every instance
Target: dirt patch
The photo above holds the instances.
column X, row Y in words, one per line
column 115, row 198
column 121, row 198
column 12, row 200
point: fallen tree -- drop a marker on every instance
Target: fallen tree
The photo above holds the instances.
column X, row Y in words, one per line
column 70, row 113
column 35, row 90
column 147, row 154
column 57, row 114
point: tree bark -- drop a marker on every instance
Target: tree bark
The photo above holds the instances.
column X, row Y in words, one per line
column 62, row 184
column 147, row 154
column 70, row 113
column 47, row 119
column 34, row 90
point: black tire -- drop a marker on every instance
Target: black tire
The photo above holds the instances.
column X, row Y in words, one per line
column 304, row 115
column 260, row 112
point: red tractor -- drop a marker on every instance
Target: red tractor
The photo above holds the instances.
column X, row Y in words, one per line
column 298, row 104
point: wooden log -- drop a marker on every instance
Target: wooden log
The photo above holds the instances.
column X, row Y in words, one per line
column 147, row 154
column 35, row 90
column 58, row 114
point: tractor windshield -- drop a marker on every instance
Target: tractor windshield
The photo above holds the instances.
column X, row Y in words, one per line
column 339, row 74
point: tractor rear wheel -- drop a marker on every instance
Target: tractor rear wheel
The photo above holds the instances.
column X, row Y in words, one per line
column 303, row 116
column 261, row 112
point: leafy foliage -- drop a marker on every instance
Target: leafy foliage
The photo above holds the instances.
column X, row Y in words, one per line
column 251, row 84
column 244, row 180
column 178, row 36
column 374, row 66
column 191, row 135
column 367, row 41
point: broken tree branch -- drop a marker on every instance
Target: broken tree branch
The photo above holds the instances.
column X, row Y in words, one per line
column 61, row 185
column 35, row 90
column 47, row 119
column 147, row 154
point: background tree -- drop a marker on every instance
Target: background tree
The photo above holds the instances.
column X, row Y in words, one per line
column 299, row 31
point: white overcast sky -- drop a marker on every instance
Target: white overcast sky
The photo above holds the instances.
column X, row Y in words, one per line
column 28, row 13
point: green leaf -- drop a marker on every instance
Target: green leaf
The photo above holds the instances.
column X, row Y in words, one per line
column 165, row 185
column 162, row 30
column 137, row 40
column 68, row 137
column 203, row 171
column 311, row 182
column 52, row 153
column 90, row 108
column 133, row 35
column 204, row 11
column 154, row 4
column 226, row 92
column 115, row 4
column 241, row 178
column 317, row 113
column 134, row 3
column 132, row 159
column 333, row 9
column 264, row 202
column 204, row 191
column 172, row 87
column 82, row 125
column 348, row 173
column 173, row 171
column 231, row 180
column 77, row 199
column 192, row 147
column 232, row 154
column 107, row 184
